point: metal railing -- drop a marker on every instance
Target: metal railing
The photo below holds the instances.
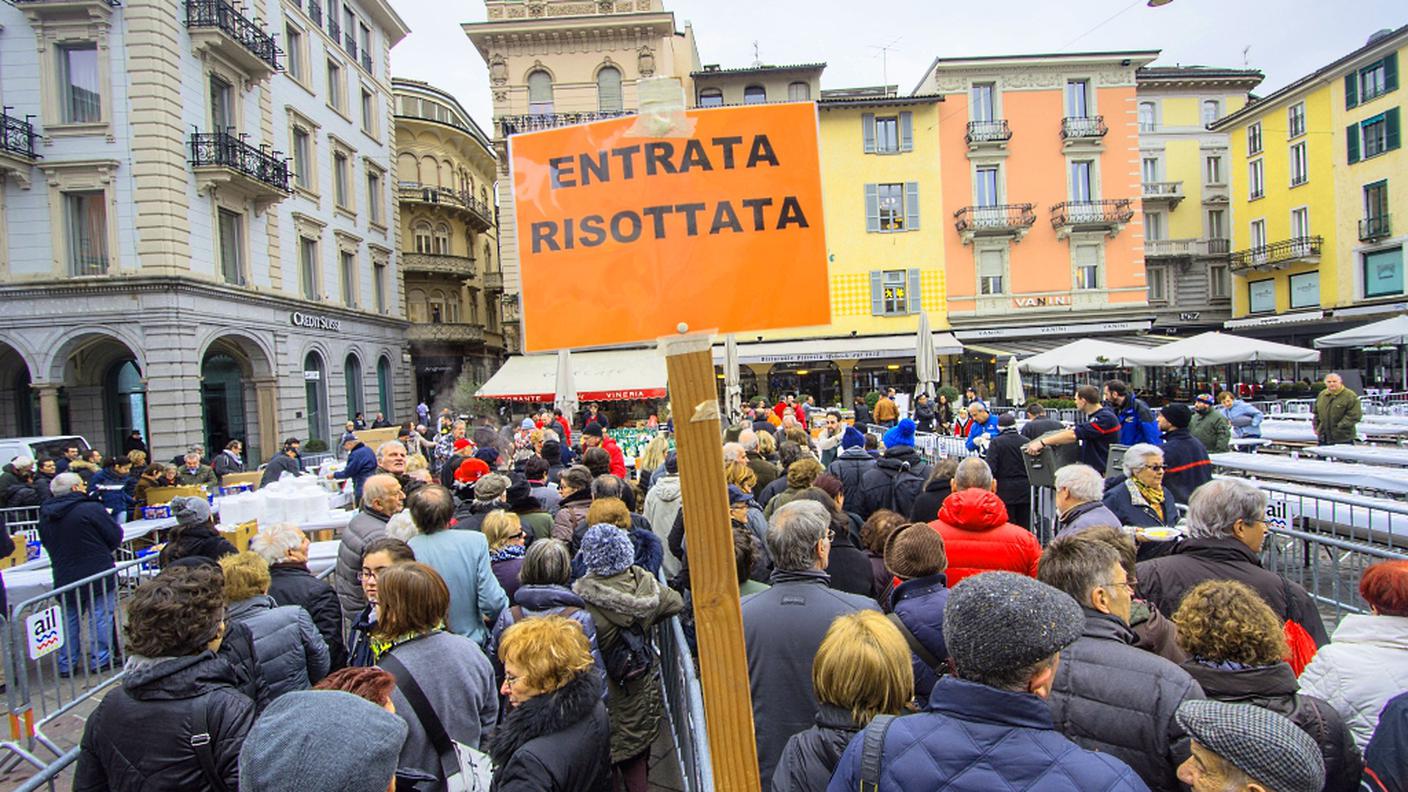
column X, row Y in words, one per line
column 1285, row 251
column 1371, row 228
column 310, row 461
column 366, row 60
column 994, row 131
column 16, row 135
column 684, row 707
column 315, row 12
column 349, row 43
column 334, row 29
column 980, row 220
column 1083, row 127
column 1091, row 213
column 533, row 122
column 230, row 151
column 46, row 777
column 224, row 16
column 445, row 196
column 1326, row 567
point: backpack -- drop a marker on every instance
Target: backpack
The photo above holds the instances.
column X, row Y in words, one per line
column 905, row 486
column 630, row 656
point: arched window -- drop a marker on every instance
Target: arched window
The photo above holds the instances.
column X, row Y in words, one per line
column 126, row 401
column 608, row 90
column 488, row 258
column 436, row 307
column 315, row 396
column 711, row 97
column 484, row 195
column 799, row 92
column 352, row 374
column 416, row 306
column 421, row 230
column 383, row 385
column 539, row 93
column 1148, row 117
column 755, row 94
column 1212, row 110
column 442, row 239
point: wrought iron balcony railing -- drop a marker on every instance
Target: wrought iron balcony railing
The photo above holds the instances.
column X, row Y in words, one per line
column 1083, row 127
column 366, row 60
column 1371, row 228
column 1276, row 254
column 315, row 12
column 17, row 135
column 412, row 191
column 1155, row 190
column 221, row 149
column 994, row 220
column 1091, row 213
column 224, row 16
column 533, row 122
column 334, row 29
column 995, row 131
column 349, row 43
column 445, row 333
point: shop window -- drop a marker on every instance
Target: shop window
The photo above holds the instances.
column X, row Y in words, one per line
column 1261, row 296
column 1305, row 290
column 1383, row 273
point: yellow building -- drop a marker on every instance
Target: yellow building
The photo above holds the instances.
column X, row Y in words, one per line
column 1317, row 181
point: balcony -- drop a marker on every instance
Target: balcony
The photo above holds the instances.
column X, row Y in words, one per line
column 1373, row 228
column 1083, row 131
column 315, row 12
column 438, row 264
column 1109, row 216
column 1163, row 193
column 334, row 29
column 45, row 9
column 17, row 146
column 1218, row 247
column 1011, row 220
column 534, row 122
column 988, row 134
column 1278, row 255
column 224, row 162
column 367, row 61
column 349, row 43
column 443, row 333
column 494, row 281
column 1170, row 248
column 219, row 28
column 479, row 215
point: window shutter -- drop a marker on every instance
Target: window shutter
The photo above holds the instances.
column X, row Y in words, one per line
column 1391, row 71
column 906, row 131
column 1392, row 129
column 914, row 302
column 872, row 208
column 1351, row 89
column 911, row 206
column 1351, row 136
column 877, row 294
column 867, row 125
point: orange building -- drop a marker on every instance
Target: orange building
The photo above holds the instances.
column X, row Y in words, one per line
column 1041, row 191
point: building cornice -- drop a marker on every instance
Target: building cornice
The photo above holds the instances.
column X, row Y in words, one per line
column 554, row 30
column 1062, row 62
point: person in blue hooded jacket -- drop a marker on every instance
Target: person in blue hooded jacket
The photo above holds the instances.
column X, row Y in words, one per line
column 361, row 464
column 983, row 423
column 113, row 486
column 1137, row 421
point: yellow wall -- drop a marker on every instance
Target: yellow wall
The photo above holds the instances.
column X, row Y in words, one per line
column 1183, row 158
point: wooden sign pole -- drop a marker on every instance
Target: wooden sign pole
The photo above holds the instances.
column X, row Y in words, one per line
column 723, row 663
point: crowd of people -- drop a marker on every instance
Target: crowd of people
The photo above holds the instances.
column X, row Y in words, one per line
column 491, row 609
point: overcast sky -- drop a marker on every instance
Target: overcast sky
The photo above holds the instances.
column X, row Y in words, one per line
column 1287, row 38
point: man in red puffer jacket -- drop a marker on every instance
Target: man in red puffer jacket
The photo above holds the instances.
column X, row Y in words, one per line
column 977, row 535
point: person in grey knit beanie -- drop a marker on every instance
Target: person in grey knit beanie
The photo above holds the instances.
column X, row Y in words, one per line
column 322, row 741
column 1000, row 626
column 607, row 550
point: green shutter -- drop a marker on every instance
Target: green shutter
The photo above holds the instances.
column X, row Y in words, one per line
column 906, row 131
column 911, row 206
column 914, row 302
column 872, row 208
column 1351, row 89
column 1391, row 72
column 877, row 294
column 1391, row 127
column 1351, row 137
column 867, row 125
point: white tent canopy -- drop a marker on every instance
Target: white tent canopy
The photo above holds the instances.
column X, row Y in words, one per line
column 614, row 375
column 1216, row 349
column 1079, row 356
column 1389, row 331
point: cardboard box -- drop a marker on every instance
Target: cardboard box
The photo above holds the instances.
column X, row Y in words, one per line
column 240, row 535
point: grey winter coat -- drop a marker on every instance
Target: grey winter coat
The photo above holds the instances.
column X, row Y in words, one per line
column 662, row 503
column 811, row 756
column 1086, row 515
column 782, row 631
column 369, row 524
column 292, row 654
column 1111, row 697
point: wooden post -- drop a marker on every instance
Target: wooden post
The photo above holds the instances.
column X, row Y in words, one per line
column 723, row 663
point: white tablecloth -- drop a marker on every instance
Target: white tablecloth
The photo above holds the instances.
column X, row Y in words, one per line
column 1316, row 471
column 1374, row 455
column 322, row 556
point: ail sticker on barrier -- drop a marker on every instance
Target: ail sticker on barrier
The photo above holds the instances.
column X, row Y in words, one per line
column 622, row 237
column 45, row 630
column 1281, row 512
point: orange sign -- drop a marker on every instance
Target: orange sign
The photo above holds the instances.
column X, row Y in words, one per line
column 621, row 238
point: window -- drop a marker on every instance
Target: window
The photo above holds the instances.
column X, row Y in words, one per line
column 1148, row 117
column 1212, row 170
column 293, row 42
column 335, row 85
column 368, row 112
column 1212, row 110
column 308, row 267
column 1217, row 227
column 799, row 92
column 1300, row 231
column 232, row 247
column 1305, row 290
column 1258, row 230
column 383, row 385
column 340, row 179
column 352, row 379
column 887, row 134
column 1300, row 169
column 1383, row 273
column 539, row 93
column 755, row 94
column 365, row 35
column 985, row 186
column 1295, row 120
column 608, row 90
column 711, row 97
column 1158, row 284
column 892, row 207
column 421, row 232
column 1153, row 226
column 1371, row 81
column 374, row 196
column 1261, row 296
column 1081, row 182
column 78, row 82
column 1219, row 281
column 442, row 239
column 990, row 272
column 86, row 218
column 1376, row 200
column 1087, row 267
column 347, row 265
column 222, row 105
column 980, row 102
column 302, row 159
column 1078, row 98
column 1374, row 135
column 1149, row 169
column 379, row 286
column 1254, row 139
column 1255, row 185
column 894, row 292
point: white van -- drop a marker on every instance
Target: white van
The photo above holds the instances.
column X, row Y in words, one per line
column 40, row 447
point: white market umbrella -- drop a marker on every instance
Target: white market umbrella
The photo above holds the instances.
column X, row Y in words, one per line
column 1387, row 331
column 1079, row 357
column 565, row 394
column 733, row 384
column 1217, row 349
column 926, row 361
column 1015, row 395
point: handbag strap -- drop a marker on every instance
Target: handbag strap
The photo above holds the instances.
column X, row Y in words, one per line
column 919, row 649
column 434, row 728
column 872, row 747
column 201, row 744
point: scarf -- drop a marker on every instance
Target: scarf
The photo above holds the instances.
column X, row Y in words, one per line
column 506, row 552
column 1153, row 498
column 381, row 646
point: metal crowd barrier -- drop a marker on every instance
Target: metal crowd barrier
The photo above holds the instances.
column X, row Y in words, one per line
column 308, row 462
column 1328, row 568
column 23, row 522
column 46, row 777
column 684, row 707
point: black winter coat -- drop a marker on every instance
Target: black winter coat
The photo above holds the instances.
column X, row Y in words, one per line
column 811, row 756
column 1275, row 688
column 1005, row 459
column 281, row 463
column 7, row 546
column 555, row 742
column 196, row 540
column 878, row 488
column 926, row 506
column 470, row 514
column 139, row 738
column 849, row 567
column 1188, row 464
column 850, row 466
column 292, row 584
column 79, row 535
column 238, row 648
column 1037, row 427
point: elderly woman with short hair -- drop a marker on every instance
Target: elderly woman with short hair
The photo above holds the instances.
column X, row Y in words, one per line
column 1141, row 499
column 291, row 653
column 284, row 547
column 1226, row 528
column 543, row 591
column 1079, row 489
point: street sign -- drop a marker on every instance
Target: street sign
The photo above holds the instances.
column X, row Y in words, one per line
column 45, row 630
column 623, row 238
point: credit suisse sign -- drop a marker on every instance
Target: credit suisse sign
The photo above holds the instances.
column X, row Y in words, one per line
column 315, row 322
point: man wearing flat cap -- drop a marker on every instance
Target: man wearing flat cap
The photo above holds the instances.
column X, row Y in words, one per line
column 1245, row 748
column 987, row 726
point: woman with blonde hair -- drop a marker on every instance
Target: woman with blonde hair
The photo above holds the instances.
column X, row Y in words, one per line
column 861, row 670
column 651, row 459
column 767, row 446
column 292, row 654
column 507, row 544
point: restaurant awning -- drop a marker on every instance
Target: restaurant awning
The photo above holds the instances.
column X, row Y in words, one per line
column 829, row 349
column 612, row 375
column 1215, row 349
column 1079, row 357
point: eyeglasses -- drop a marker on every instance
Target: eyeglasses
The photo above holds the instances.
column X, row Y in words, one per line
column 369, row 574
column 1129, row 583
column 830, row 535
column 510, row 679
column 519, row 535
column 1157, row 468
